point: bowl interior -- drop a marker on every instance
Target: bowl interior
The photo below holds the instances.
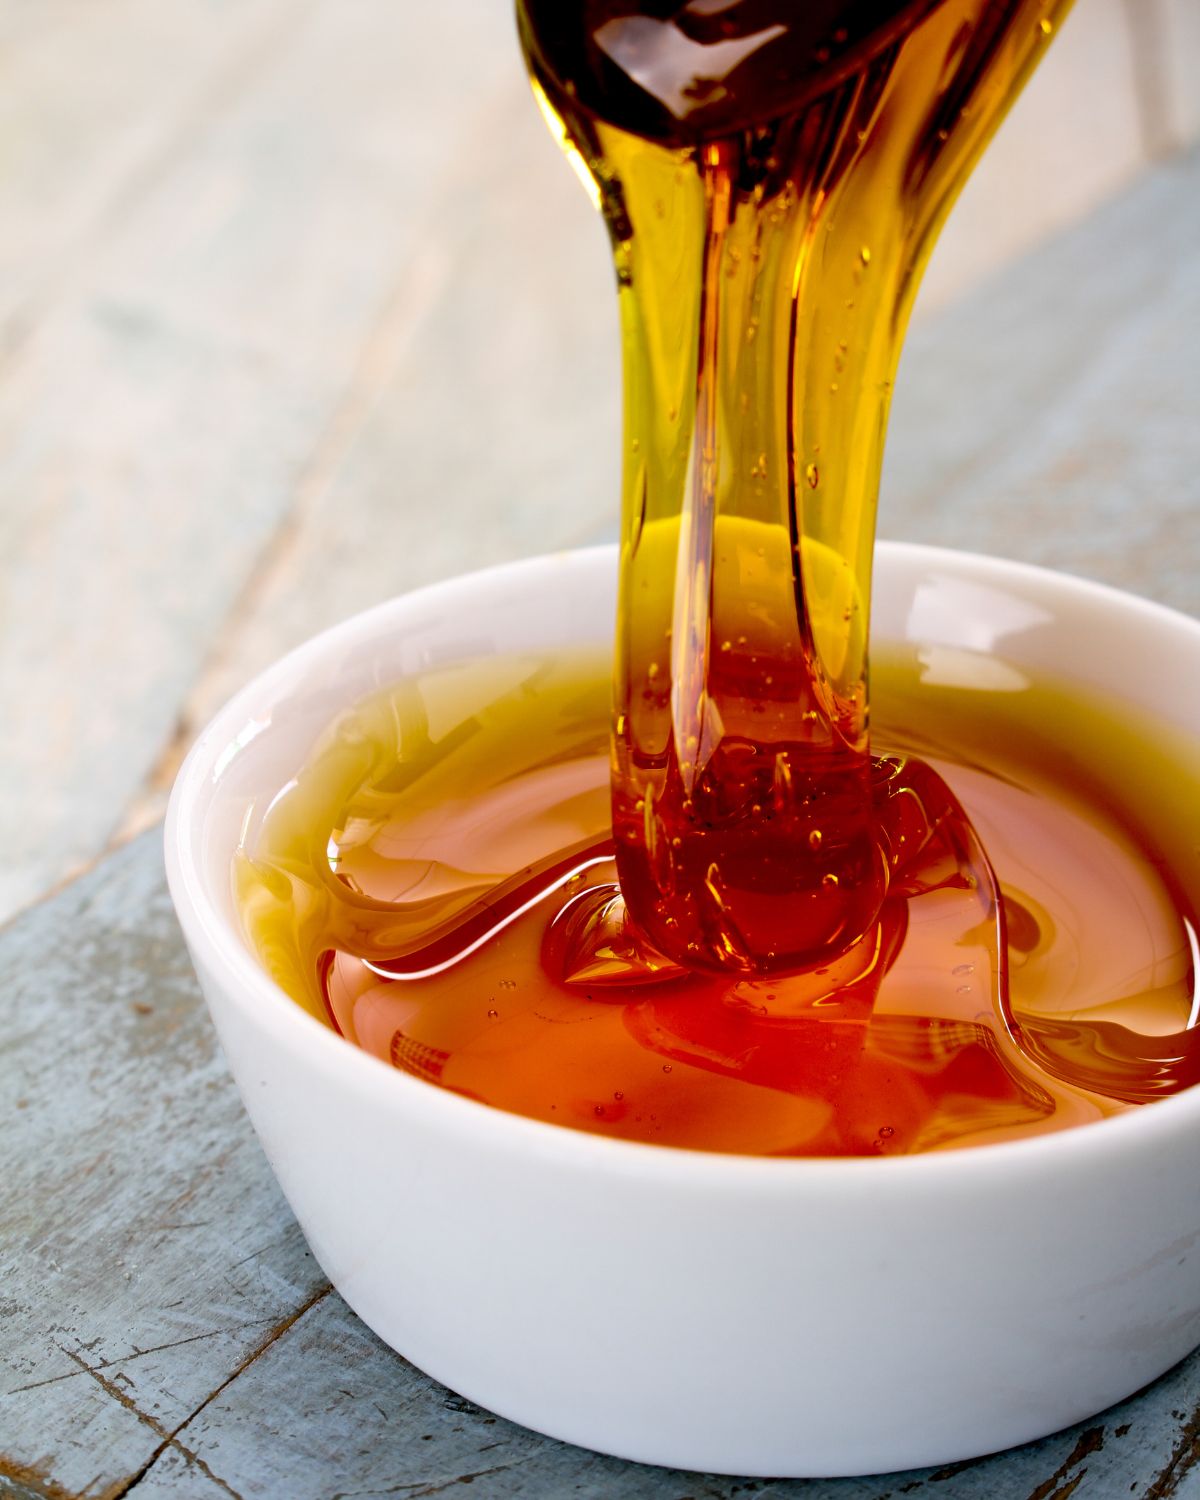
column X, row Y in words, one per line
column 969, row 621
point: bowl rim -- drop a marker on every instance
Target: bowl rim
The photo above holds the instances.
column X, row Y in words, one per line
column 221, row 947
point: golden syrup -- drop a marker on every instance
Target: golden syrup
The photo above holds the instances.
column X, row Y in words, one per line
column 716, row 914
column 439, row 885
column 772, row 175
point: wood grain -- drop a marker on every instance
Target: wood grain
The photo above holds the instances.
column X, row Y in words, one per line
column 164, row 1331
column 1050, row 416
column 298, row 307
column 160, row 413
column 242, row 393
column 145, row 1253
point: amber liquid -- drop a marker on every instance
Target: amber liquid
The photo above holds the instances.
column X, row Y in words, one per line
column 772, row 175
column 438, row 884
column 718, row 916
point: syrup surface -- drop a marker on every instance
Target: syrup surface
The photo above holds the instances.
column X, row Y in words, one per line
column 425, row 885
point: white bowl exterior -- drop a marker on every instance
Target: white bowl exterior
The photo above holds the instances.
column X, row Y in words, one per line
column 708, row 1312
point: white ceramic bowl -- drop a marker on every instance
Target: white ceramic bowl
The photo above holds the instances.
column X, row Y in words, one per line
column 750, row 1316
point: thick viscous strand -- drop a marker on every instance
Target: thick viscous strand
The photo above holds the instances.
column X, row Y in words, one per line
column 772, row 176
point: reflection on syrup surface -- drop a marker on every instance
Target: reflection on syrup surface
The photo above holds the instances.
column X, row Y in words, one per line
column 438, row 884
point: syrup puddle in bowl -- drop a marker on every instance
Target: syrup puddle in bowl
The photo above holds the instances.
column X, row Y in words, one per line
column 439, row 885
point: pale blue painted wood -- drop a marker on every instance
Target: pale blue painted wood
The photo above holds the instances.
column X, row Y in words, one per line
column 172, row 387
column 164, row 1331
column 1051, row 415
column 144, row 1249
column 282, row 283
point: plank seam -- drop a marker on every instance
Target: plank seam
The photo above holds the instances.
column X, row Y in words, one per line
column 128, row 1359
column 44, row 898
column 170, row 1437
column 1059, row 1486
column 29, row 1482
column 382, row 350
column 404, row 304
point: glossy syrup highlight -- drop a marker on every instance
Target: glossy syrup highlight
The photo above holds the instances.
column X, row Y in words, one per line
column 379, row 890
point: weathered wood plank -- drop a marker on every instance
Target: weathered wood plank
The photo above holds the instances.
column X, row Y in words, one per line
column 492, row 433
column 145, row 1252
column 226, row 283
column 96, row 105
column 163, row 1330
column 157, row 424
column 328, row 1411
column 1051, row 415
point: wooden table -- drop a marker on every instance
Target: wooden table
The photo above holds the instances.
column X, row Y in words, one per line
column 300, row 307
column 163, row 1327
